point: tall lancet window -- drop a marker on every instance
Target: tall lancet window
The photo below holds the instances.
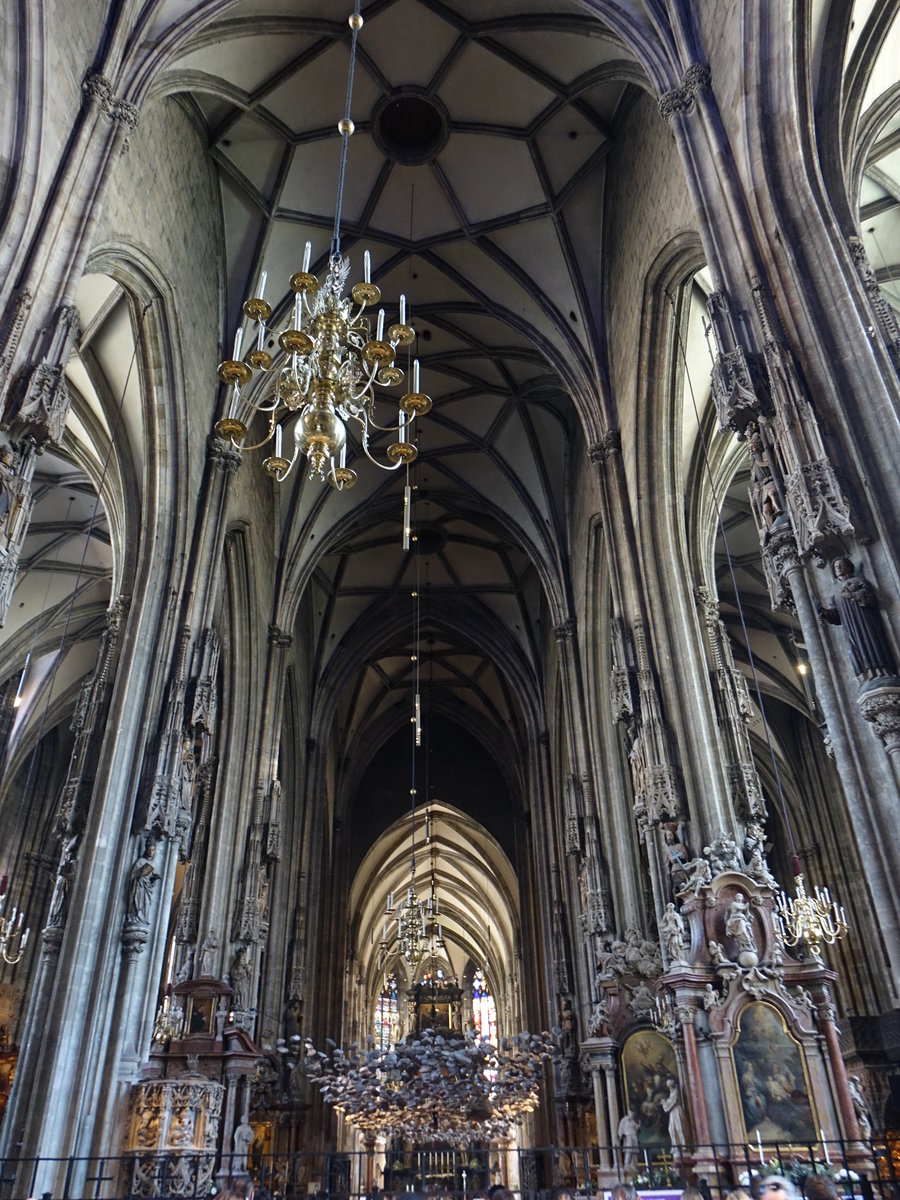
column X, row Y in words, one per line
column 386, row 1013
column 484, row 1011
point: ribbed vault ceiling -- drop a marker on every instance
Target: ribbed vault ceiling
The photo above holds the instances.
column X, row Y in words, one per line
column 492, row 233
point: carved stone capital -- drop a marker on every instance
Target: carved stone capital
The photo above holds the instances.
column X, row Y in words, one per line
column 223, row 454
column 681, row 100
column 609, row 444
column 881, row 708
column 278, row 637
column 781, row 557
column 97, row 89
column 565, row 630
column 122, row 112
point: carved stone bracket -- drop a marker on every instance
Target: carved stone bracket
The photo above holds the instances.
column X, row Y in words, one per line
column 609, row 444
column 97, row 89
column 565, row 630
column 224, row 455
column 696, row 79
column 780, row 556
column 881, row 708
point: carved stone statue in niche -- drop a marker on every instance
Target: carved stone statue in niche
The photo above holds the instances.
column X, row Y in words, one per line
column 59, row 901
column 208, row 953
column 739, row 925
column 855, row 607
column 568, row 1028
column 677, row 856
column 863, row 1119
column 599, row 1022
column 766, row 491
column 674, row 935
column 141, row 878
column 241, row 977
column 7, row 470
column 637, row 760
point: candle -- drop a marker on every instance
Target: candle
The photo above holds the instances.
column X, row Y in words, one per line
column 824, row 1146
column 367, row 267
column 261, row 286
column 298, row 310
column 380, row 330
column 238, row 338
column 402, row 432
column 278, row 441
column 415, row 387
column 762, row 1161
column 307, row 254
column 344, row 455
column 402, row 310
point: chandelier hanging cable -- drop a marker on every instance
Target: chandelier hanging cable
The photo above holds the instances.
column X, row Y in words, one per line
column 333, row 364
column 801, row 919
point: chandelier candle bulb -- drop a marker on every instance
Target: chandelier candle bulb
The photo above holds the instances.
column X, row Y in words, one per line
column 415, row 386
column 825, row 1147
column 402, row 310
column 343, row 461
column 379, row 333
column 367, row 267
column 307, row 255
column 261, row 286
column 238, row 338
column 278, row 432
column 401, row 426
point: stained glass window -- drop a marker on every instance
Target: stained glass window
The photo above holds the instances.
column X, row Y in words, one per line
column 484, row 1011
column 386, row 1013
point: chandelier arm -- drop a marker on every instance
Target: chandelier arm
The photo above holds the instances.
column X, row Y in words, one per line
column 375, row 461
column 267, row 438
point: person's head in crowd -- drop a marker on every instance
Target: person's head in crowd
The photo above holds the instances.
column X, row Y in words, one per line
column 239, row 1187
column 776, row 1187
column 819, row 1187
column 623, row 1191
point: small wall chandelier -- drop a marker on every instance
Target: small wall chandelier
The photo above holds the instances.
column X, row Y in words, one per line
column 13, row 937
column 806, row 919
column 335, row 361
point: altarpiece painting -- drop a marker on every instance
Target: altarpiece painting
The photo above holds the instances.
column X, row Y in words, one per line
column 771, row 1077
column 648, row 1063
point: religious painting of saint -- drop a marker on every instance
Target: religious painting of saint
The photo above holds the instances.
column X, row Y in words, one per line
column 771, row 1078
column 648, row 1063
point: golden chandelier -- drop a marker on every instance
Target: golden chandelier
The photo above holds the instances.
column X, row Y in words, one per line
column 335, row 361
column 807, row 919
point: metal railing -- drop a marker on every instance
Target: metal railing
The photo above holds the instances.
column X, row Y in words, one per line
column 865, row 1171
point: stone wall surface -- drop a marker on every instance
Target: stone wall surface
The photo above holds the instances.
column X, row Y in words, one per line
column 163, row 207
